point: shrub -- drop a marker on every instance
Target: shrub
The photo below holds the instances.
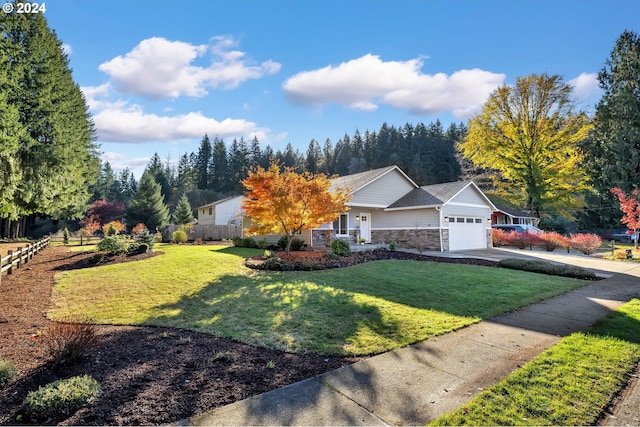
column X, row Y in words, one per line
column 112, row 228
column 179, row 236
column 262, row 243
column 62, row 397
column 7, row 372
column 198, row 241
column 145, row 237
column 340, row 247
column 114, row 245
column 70, row 339
column 139, row 228
column 65, row 236
column 517, row 239
column 585, row 243
column 249, row 242
column 237, row 241
column 393, row 246
column 142, row 248
column 297, row 244
column 499, row 237
column 552, row 240
column 282, row 242
column 544, row 267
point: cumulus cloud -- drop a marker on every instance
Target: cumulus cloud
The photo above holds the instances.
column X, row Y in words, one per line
column 585, row 85
column 366, row 82
column 160, row 68
column 120, row 121
column 67, row 49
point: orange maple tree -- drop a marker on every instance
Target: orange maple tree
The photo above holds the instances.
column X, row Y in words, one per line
column 282, row 201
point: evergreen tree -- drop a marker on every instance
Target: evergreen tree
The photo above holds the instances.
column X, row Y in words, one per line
column 148, row 206
column 329, row 158
column 313, row 161
column 185, row 176
column 183, row 213
column 56, row 153
column 220, row 160
column 159, row 173
column 613, row 148
column 203, row 162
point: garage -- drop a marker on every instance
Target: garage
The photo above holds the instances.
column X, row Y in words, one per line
column 466, row 233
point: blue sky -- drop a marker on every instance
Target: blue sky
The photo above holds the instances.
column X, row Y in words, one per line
column 160, row 74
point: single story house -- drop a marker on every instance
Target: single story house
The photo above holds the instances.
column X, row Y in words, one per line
column 507, row 213
column 387, row 206
column 225, row 211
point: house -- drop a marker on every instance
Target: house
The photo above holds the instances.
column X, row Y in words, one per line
column 221, row 212
column 388, row 206
column 507, row 213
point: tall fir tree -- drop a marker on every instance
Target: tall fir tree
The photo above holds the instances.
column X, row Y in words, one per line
column 183, row 213
column 203, row 163
column 57, row 155
column 148, row 206
column 613, row 148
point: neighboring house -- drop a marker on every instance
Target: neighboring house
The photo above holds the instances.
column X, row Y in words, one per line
column 387, row 206
column 506, row 213
column 221, row 212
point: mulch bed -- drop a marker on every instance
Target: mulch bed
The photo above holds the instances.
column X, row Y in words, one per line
column 148, row 375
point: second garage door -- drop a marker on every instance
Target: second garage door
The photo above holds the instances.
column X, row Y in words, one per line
column 466, row 233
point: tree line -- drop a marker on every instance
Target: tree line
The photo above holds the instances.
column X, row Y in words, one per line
column 426, row 152
column 48, row 155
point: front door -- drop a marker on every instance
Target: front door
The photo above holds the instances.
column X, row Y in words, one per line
column 365, row 227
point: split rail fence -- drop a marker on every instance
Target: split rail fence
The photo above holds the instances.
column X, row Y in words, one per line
column 18, row 258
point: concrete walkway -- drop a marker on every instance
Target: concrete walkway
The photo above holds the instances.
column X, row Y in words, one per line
column 416, row 384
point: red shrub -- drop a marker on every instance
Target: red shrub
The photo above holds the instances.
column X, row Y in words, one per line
column 521, row 240
column 499, row 237
column 552, row 240
column 138, row 229
column 113, row 227
column 585, row 243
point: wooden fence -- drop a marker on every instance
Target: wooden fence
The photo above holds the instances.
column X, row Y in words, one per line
column 16, row 259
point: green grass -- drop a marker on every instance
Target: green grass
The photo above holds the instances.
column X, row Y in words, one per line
column 569, row 384
column 365, row 309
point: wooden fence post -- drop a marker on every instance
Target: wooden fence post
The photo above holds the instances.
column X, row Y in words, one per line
column 10, row 270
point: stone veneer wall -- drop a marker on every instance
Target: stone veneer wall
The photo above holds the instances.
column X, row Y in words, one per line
column 412, row 239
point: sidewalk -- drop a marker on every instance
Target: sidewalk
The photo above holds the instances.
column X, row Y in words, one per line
column 416, row 384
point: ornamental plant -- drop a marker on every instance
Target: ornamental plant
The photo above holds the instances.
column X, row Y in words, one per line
column 70, row 339
column 585, row 243
column 7, row 372
column 62, row 397
column 552, row 240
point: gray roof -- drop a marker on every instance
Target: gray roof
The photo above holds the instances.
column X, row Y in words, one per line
column 357, row 180
column 430, row 195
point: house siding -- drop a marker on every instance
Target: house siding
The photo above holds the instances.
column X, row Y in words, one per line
column 409, row 219
column 469, row 196
column 383, row 191
column 228, row 212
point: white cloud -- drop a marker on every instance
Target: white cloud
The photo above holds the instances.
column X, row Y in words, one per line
column 67, row 49
column 118, row 161
column 585, row 85
column 366, row 82
column 158, row 68
column 134, row 125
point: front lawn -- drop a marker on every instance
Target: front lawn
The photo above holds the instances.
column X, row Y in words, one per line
column 569, row 384
column 364, row 309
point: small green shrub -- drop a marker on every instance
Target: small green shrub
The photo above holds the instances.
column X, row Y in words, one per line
column 179, row 236
column 282, row 242
column 544, row 267
column 114, row 245
column 65, row 236
column 7, row 372
column 274, row 263
column 340, row 247
column 393, row 246
column 142, row 248
column 249, row 242
column 262, row 243
column 146, row 237
column 70, row 339
column 331, row 255
column 62, row 397
column 237, row 241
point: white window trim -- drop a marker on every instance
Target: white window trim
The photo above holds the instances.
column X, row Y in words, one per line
column 347, row 229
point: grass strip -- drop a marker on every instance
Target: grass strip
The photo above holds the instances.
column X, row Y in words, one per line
column 569, row 384
column 365, row 309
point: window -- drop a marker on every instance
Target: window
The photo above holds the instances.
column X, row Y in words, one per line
column 341, row 225
column 210, row 211
column 478, row 220
column 459, row 219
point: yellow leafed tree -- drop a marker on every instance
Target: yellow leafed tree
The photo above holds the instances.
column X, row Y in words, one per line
column 281, row 201
column 531, row 134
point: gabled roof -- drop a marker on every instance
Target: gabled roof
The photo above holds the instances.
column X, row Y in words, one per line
column 217, row 202
column 356, row 181
column 508, row 208
column 434, row 195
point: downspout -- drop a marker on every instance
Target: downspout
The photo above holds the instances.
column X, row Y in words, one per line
column 439, row 209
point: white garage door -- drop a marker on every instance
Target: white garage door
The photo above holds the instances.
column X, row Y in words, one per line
column 466, row 233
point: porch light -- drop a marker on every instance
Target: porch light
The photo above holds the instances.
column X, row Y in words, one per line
column 357, row 217
column 489, row 220
column 446, row 219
